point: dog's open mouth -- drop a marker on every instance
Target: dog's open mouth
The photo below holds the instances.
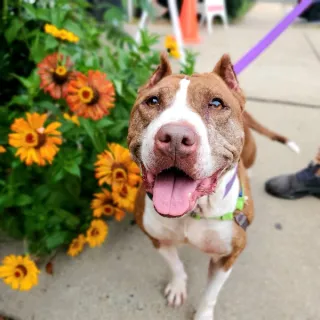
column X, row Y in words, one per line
column 175, row 193
column 172, row 192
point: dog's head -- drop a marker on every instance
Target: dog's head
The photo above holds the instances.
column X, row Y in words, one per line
column 185, row 132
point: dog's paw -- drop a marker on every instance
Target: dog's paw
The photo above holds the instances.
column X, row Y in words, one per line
column 176, row 292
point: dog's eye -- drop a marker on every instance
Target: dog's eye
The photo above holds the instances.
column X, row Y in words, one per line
column 216, row 103
column 152, row 101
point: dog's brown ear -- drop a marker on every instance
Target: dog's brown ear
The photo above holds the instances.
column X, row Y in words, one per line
column 224, row 69
column 163, row 70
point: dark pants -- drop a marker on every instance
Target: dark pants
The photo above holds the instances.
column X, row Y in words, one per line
column 164, row 3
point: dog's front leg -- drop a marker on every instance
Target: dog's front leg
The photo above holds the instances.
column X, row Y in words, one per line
column 176, row 290
column 217, row 276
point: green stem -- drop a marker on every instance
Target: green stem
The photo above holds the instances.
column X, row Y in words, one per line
column 5, row 11
column 25, row 246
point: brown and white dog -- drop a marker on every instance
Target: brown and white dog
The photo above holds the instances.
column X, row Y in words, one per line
column 190, row 136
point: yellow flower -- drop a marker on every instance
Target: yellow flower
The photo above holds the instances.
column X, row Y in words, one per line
column 116, row 166
column 172, row 47
column 35, row 143
column 2, row 149
column 103, row 204
column 19, row 272
column 72, row 37
column 124, row 196
column 97, row 233
column 51, row 29
column 72, row 118
column 61, row 34
column 76, row 245
column 119, row 214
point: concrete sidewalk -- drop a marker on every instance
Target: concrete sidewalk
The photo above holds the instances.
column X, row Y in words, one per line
column 277, row 275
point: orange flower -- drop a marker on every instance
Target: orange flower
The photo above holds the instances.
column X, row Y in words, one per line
column 97, row 233
column 103, row 205
column 91, row 96
column 55, row 73
column 124, row 196
column 116, row 166
column 35, row 143
column 76, row 245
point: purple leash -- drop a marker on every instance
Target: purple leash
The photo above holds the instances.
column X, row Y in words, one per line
column 253, row 53
column 230, row 183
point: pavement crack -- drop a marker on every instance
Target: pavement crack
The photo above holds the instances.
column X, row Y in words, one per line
column 312, row 46
column 284, row 102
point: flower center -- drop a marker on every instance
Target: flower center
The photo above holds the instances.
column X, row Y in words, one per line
column 123, row 192
column 61, row 71
column 20, row 271
column 95, row 232
column 35, row 139
column 119, row 175
column 60, row 75
column 108, row 209
column 88, row 95
column 31, row 139
column 75, row 245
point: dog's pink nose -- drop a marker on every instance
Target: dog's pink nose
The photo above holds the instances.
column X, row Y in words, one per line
column 176, row 139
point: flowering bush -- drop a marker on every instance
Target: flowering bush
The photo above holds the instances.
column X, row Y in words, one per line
column 64, row 112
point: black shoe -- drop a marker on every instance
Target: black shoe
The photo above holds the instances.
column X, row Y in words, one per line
column 294, row 186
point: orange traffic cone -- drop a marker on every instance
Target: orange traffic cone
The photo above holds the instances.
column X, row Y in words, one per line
column 189, row 22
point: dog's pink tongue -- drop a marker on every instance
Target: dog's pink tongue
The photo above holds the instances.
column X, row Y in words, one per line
column 171, row 193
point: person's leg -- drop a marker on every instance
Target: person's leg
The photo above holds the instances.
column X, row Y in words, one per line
column 317, row 158
column 297, row 185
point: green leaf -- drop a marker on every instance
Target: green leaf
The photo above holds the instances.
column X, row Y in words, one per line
column 12, row 31
column 92, row 61
column 22, row 200
column 22, row 100
column 104, row 123
column 73, row 168
column 70, row 220
column 30, row 10
column 12, row 225
column 43, row 14
column 50, row 43
column 75, row 28
column 45, row 105
column 4, row 199
column 41, row 192
column 73, row 187
column 56, row 198
column 55, row 17
column 26, row 82
column 37, row 50
column 118, row 85
column 55, row 240
column 57, row 173
column 96, row 136
column 118, row 127
column 114, row 15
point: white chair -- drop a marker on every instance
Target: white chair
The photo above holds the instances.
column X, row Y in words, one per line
column 211, row 9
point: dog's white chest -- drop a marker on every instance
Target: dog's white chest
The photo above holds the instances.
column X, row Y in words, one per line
column 208, row 235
